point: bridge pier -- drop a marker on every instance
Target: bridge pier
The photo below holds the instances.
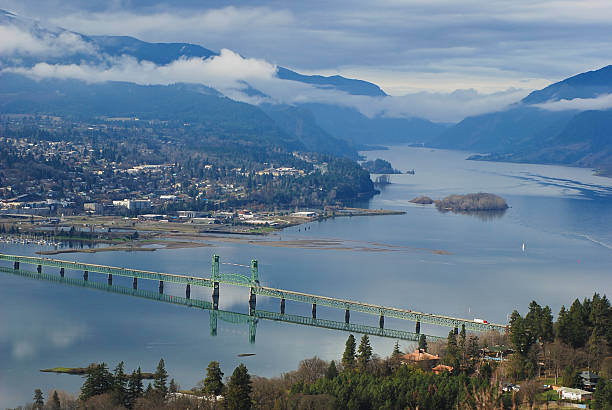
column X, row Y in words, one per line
column 456, row 330
column 282, row 306
column 110, row 279
column 418, row 327
column 16, row 265
column 314, row 310
column 252, row 301
column 215, row 295
column 161, row 286
column 62, row 272
column 39, row 269
column 381, row 322
column 188, row 291
column 347, row 316
column 135, row 283
column 85, row 275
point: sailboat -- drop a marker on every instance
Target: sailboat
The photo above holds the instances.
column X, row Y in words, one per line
column 523, row 246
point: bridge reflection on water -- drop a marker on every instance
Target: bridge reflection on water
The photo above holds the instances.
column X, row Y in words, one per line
column 217, row 315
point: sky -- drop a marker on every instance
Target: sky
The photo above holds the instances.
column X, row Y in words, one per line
column 492, row 51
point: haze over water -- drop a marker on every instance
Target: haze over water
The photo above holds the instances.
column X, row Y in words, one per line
column 453, row 264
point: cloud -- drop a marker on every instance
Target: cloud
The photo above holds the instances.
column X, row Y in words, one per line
column 18, row 42
column 233, row 74
column 601, row 102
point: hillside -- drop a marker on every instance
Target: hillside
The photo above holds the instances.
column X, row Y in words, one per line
column 527, row 132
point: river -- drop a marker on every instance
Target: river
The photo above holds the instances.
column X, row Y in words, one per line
column 454, row 264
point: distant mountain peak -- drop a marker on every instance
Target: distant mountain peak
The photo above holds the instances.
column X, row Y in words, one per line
column 589, row 84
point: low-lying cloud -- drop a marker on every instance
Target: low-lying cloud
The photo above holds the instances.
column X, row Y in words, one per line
column 601, row 102
column 17, row 42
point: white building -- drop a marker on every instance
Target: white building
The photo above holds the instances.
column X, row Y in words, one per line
column 574, row 394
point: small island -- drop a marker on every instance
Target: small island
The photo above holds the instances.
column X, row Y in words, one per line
column 380, row 166
column 472, row 203
column 422, row 200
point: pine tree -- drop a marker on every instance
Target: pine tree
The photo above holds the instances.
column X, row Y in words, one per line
column 173, row 387
column 396, row 357
column 452, row 350
column 39, row 400
column 365, row 352
column 238, row 392
column 55, row 401
column 160, row 378
column 332, row 371
column 213, row 383
column 135, row 387
column 99, row 381
column 120, row 392
column 348, row 358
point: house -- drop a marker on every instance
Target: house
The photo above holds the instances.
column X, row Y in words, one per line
column 589, row 380
column 421, row 359
column 574, row 394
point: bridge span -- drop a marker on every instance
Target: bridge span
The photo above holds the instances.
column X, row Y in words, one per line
column 252, row 282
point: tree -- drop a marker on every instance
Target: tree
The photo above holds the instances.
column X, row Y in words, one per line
column 452, row 350
column 396, row 356
column 602, row 397
column 365, row 352
column 55, row 401
column 120, row 392
column 238, row 392
column 99, row 381
column 213, row 383
column 135, row 387
column 571, row 378
column 159, row 379
column 423, row 342
column 174, row 388
column 39, row 400
column 348, row 358
column 332, row 371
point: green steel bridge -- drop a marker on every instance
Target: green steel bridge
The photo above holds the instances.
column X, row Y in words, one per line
column 216, row 315
column 252, row 282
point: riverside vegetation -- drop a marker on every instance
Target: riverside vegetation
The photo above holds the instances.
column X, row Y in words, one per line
column 541, row 351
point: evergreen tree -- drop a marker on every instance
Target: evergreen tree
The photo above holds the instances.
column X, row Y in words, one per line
column 602, row 397
column 452, row 350
column 55, row 401
column 365, row 352
column 39, row 400
column 160, row 379
column 348, row 358
column 99, row 381
column 423, row 342
column 396, row 356
column 332, row 371
column 120, row 392
column 135, row 387
column 238, row 392
column 173, row 387
column 213, row 383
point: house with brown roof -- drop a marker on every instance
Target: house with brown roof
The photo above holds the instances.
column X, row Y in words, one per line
column 421, row 359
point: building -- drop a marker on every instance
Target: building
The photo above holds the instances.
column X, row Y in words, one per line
column 574, row 394
column 589, row 380
column 422, row 359
column 133, row 204
column 442, row 368
column 93, row 207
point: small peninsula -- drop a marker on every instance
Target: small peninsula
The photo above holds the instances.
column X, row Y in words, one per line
column 472, row 202
column 380, row 166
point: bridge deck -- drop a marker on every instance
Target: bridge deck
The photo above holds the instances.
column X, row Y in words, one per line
column 240, row 280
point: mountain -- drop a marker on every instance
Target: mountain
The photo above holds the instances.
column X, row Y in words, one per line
column 323, row 120
column 585, row 85
column 527, row 132
column 351, row 125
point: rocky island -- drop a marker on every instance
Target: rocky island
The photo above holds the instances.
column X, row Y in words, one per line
column 422, row 200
